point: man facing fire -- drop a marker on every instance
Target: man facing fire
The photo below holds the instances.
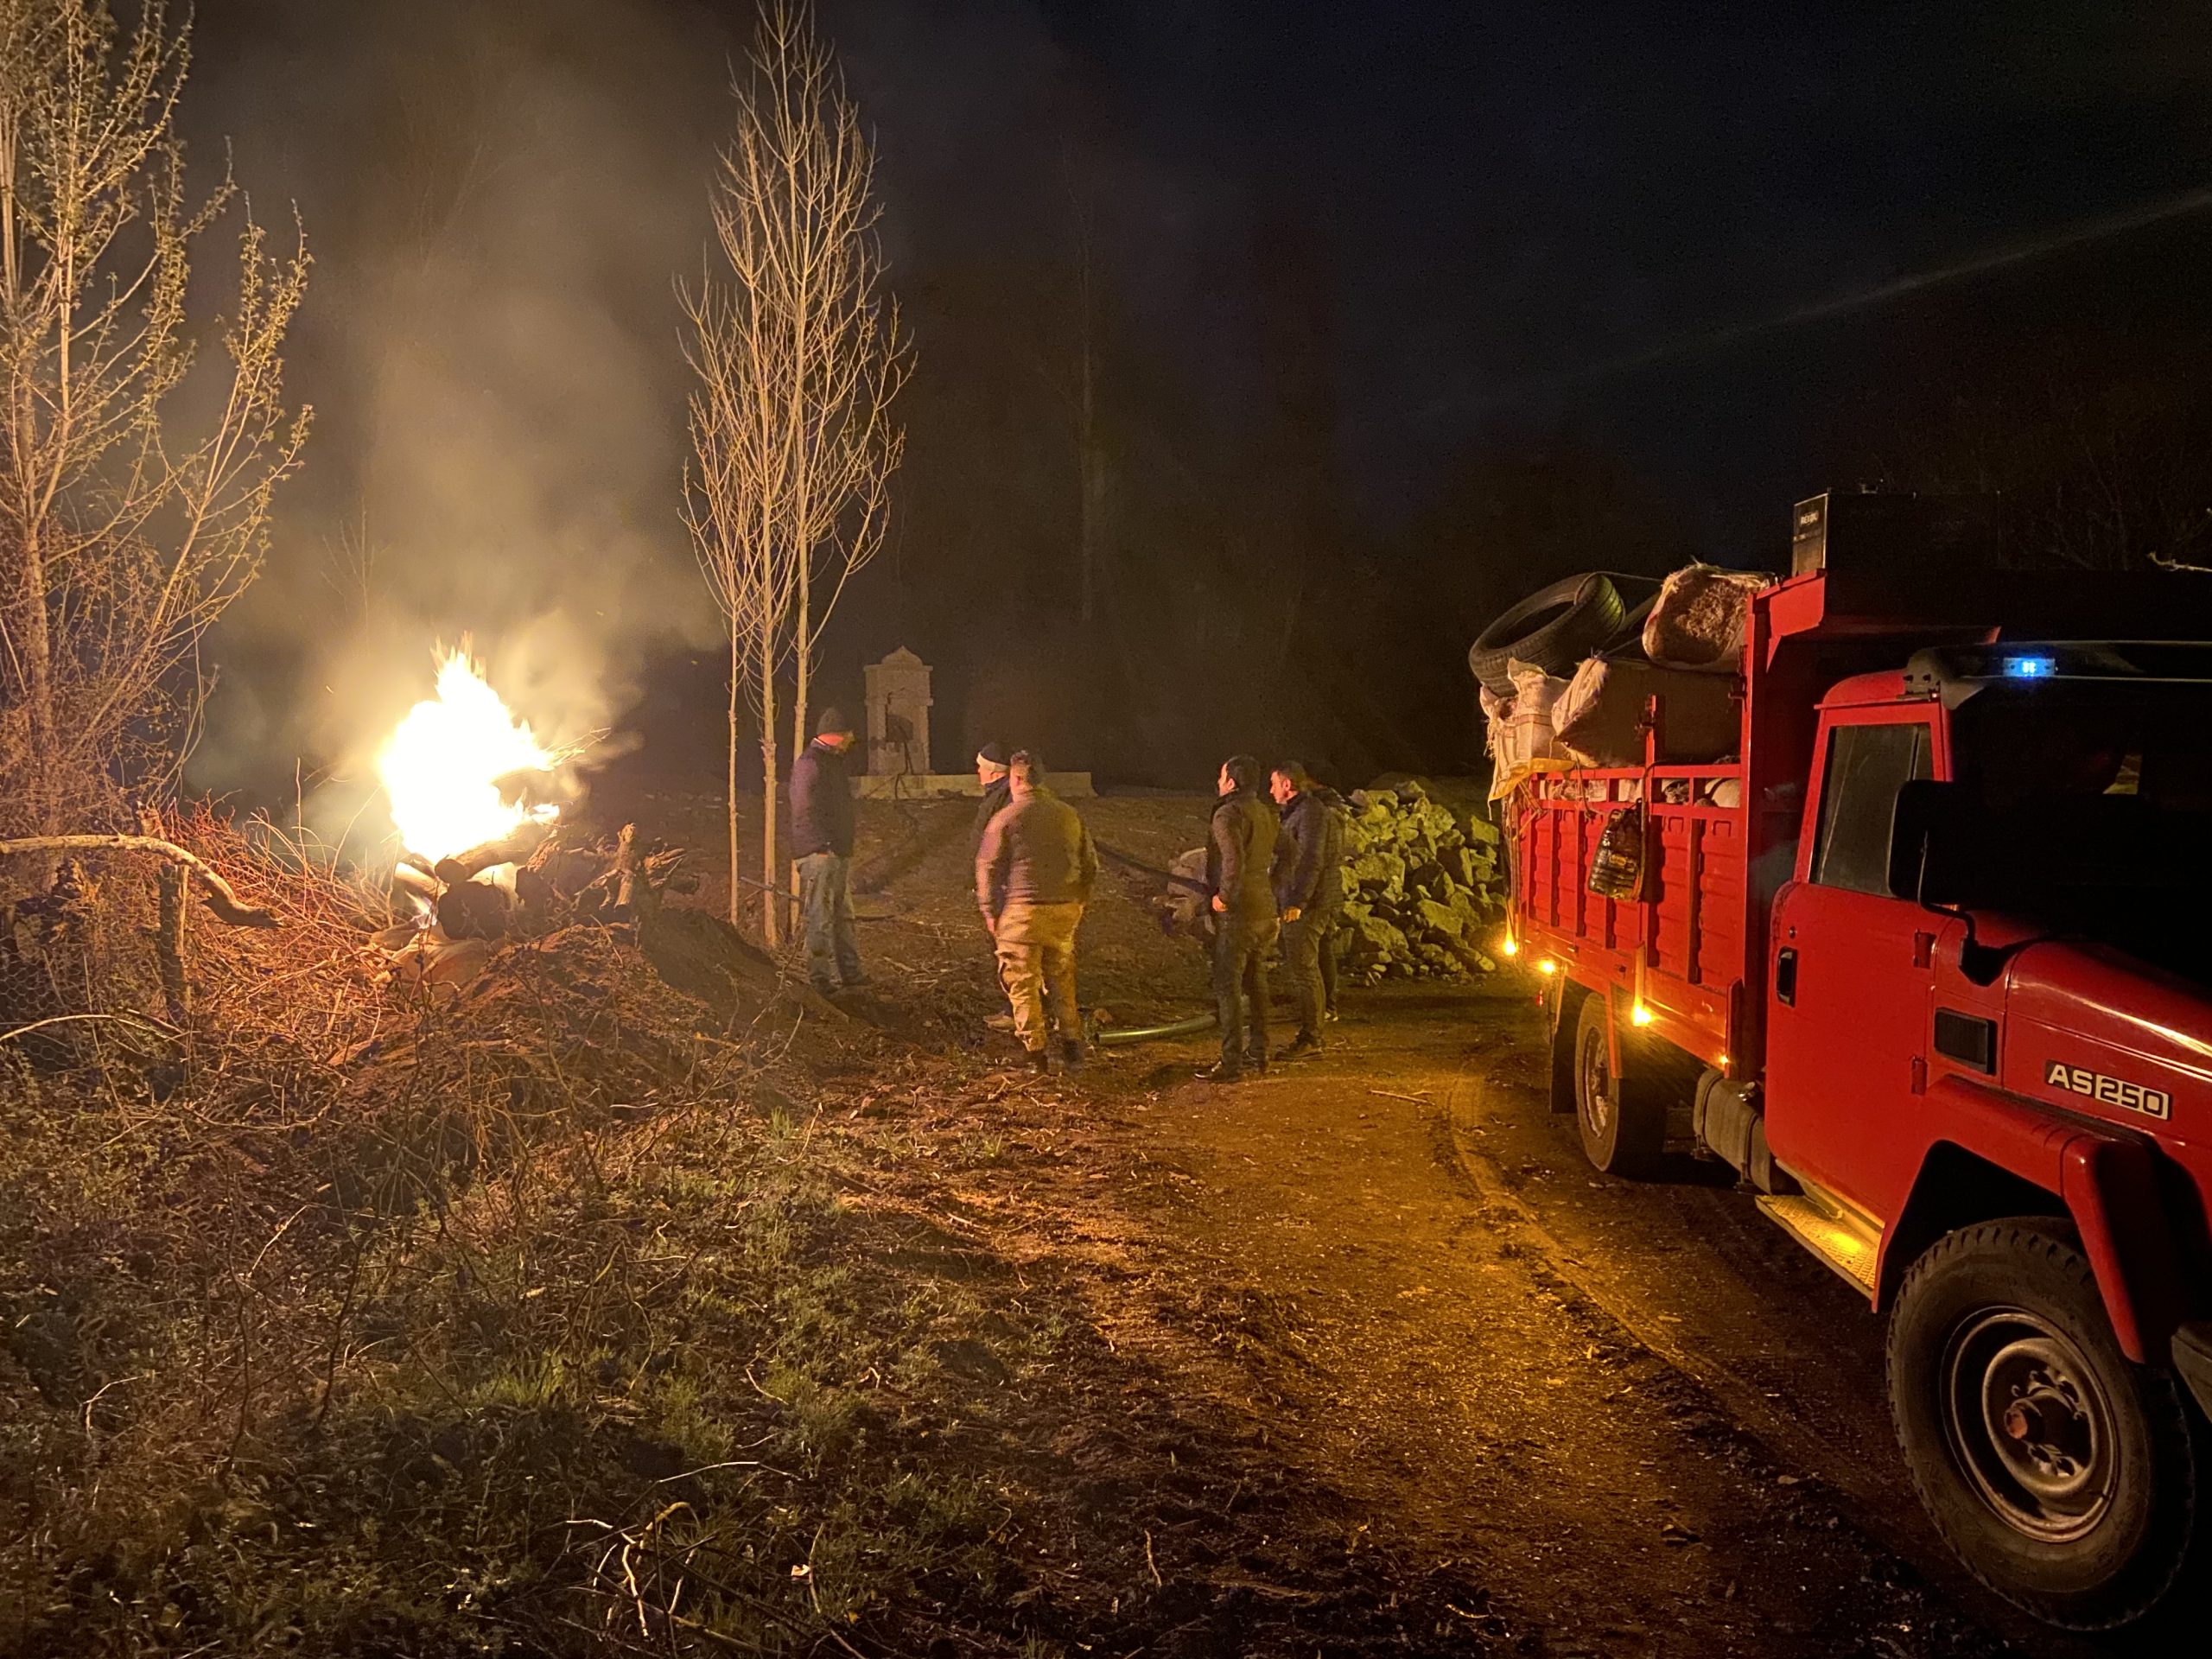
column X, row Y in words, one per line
column 1309, row 893
column 822, row 842
column 1034, row 875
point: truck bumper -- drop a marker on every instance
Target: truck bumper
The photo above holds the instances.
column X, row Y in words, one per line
column 2193, row 1359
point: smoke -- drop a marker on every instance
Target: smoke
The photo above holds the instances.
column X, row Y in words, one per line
column 498, row 199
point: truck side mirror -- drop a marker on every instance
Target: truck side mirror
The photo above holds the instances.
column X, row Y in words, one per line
column 1925, row 842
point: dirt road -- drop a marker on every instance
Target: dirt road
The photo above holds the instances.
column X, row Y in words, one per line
column 1636, row 1416
column 1657, row 1424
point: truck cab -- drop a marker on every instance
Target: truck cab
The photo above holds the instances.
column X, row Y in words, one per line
column 1926, row 963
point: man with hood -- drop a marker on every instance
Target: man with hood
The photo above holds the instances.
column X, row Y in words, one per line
column 823, row 819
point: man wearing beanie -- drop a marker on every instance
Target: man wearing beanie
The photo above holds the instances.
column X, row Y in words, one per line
column 822, row 842
column 991, row 773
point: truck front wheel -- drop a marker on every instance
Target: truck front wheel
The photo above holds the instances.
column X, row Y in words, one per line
column 2063, row 1475
column 1624, row 1129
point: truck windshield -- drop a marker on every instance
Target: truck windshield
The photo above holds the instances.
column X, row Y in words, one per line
column 2088, row 795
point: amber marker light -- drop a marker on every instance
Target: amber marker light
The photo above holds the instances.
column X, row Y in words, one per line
column 1639, row 1016
column 1508, row 946
column 1547, row 966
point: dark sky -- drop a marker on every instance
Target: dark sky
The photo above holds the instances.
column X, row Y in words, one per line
column 1517, row 195
column 1498, row 226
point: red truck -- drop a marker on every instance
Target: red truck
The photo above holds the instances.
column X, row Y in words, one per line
column 1929, row 963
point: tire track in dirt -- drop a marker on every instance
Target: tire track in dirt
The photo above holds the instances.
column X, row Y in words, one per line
column 1426, row 1353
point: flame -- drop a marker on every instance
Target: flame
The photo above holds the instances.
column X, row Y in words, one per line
column 441, row 766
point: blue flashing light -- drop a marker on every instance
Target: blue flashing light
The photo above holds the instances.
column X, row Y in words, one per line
column 2029, row 668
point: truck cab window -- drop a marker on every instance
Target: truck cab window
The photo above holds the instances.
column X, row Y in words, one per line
column 1867, row 767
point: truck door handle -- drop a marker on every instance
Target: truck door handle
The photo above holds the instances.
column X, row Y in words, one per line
column 1786, row 977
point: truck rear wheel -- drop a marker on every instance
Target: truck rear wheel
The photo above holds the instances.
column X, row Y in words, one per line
column 2063, row 1475
column 1624, row 1129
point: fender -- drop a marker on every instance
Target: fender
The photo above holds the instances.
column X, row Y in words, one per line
column 2105, row 1177
column 2110, row 1183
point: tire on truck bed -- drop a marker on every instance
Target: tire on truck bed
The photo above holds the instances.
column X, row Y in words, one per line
column 1553, row 628
column 2065, row 1476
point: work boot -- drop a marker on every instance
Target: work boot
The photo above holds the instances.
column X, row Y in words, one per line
column 1040, row 1060
column 1222, row 1071
column 1305, row 1046
column 1072, row 1054
column 1329, row 1015
column 856, row 980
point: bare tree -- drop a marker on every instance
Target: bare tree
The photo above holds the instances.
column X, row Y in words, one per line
column 126, row 529
column 734, row 505
column 800, row 353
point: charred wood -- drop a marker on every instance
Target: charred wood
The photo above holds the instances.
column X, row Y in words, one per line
column 520, row 844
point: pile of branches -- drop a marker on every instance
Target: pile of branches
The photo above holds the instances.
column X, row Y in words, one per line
column 194, row 1209
column 1421, row 885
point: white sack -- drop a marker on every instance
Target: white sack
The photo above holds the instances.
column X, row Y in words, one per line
column 1520, row 736
column 1599, row 719
column 1697, row 622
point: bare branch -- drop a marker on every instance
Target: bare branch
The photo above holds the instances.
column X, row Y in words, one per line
column 123, row 537
column 800, row 353
column 222, row 900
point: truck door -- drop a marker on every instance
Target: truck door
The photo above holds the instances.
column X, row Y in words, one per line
column 1851, row 980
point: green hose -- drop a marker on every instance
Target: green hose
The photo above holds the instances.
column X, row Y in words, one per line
column 1116, row 1036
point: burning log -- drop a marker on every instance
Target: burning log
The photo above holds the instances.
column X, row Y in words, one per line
column 474, row 909
column 555, row 883
column 519, row 844
column 411, row 878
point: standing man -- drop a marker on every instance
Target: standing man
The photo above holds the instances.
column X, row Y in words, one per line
column 991, row 773
column 822, row 842
column 1340, row 816
column 1034, row 875
column 1240, row 849
column 1309, row 891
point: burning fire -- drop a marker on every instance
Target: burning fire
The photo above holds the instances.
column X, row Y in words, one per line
column 441, row 765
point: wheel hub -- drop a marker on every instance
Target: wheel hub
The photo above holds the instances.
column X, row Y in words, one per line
column 2028, row 1423
column 1596, row 1094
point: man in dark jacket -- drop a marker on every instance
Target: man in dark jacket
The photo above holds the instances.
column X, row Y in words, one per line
column 991, row 773
column 1034, row 874
column 1240, row 851
column 822, row 842
column 1340, row 815
column 1309, row 893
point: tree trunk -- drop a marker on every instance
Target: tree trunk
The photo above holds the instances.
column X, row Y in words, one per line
column 772, row 921
column 1092, row 464
column 737, row 675
column 804, row 653
column 169, row 943
column 37, row 670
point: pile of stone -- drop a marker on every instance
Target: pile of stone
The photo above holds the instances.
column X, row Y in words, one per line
column 1422, row 887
